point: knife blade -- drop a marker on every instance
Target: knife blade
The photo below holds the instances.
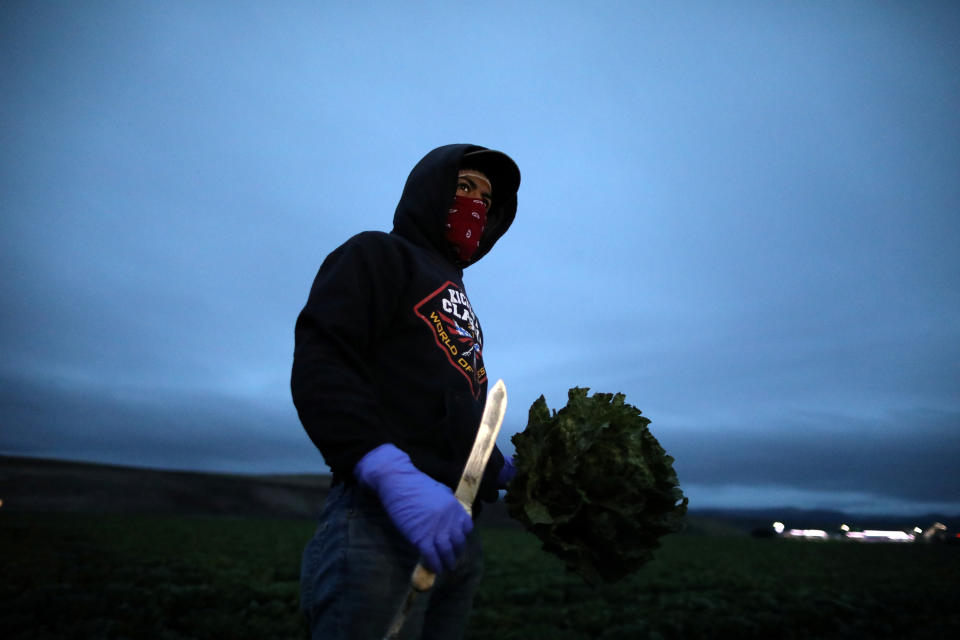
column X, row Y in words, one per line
column 422, row 578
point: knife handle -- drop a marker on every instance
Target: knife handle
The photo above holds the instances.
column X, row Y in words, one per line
column 422, row 578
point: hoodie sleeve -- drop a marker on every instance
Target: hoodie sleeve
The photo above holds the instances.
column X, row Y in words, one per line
column 350, row 305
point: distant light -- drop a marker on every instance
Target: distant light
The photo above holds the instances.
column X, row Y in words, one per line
column 917, row 530
column 808, row 533
column 778, row 527
column 845, row 527
column 1, row 502
column 875, row 535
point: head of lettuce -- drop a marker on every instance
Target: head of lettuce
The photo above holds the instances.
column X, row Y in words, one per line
column 594, row 485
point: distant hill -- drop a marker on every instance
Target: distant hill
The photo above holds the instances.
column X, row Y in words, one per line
column 30, row 484
column 33, row 484
column 36, row 484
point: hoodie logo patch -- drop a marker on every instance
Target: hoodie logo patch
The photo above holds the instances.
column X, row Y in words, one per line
column 455, row 328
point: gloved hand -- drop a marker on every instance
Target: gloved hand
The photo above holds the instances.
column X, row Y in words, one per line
column 507, row 472
column 424, row 510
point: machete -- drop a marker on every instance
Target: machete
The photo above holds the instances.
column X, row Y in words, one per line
column 422, row 578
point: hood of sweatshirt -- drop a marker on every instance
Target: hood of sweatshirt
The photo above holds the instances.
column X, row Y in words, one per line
column 421, row 214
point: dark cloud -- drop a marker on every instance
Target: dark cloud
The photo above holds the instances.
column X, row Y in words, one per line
column 906, row 454
column 152, row 428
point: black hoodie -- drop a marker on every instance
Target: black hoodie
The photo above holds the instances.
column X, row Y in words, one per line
column 388, row 348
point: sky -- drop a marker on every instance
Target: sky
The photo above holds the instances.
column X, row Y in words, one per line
column 742, row 215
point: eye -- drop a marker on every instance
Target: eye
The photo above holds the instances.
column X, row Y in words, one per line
column 463, row 186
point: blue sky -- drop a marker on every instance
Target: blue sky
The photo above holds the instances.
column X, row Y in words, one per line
column 742, row 215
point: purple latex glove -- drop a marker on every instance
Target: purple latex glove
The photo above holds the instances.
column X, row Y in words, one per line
column 424, row 510
column 506, row 473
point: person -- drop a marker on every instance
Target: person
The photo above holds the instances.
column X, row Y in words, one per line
column 389, row 382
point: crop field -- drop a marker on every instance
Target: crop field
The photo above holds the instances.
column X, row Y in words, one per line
column 173, row 577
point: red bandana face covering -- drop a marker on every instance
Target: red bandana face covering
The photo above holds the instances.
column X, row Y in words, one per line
column 465, row 222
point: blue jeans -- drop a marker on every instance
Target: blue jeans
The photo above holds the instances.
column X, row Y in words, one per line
column 356, row 572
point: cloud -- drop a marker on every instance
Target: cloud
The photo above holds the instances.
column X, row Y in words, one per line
column 731, row 239
column 733, row 496
column 162, row 429
column 908, row 455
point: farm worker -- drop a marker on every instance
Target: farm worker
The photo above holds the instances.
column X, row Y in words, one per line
column 389, row 382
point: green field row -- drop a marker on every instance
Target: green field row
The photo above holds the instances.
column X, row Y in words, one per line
column 71, row 576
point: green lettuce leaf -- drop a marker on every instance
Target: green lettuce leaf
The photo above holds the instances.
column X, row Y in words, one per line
column 595, row 485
